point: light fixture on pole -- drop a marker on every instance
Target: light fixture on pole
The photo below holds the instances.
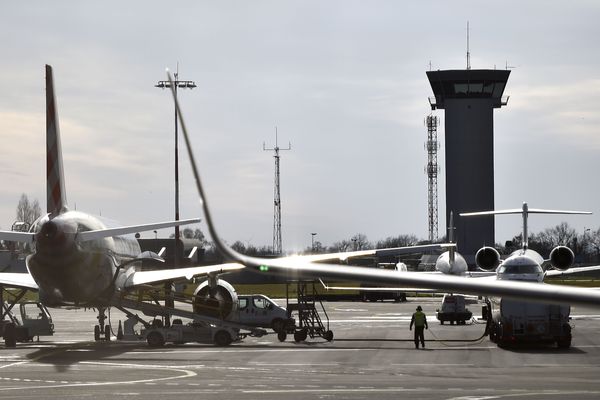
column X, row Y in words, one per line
column 169, row 302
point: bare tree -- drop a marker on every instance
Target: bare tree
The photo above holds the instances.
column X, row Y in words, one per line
column 397, row 241
column 28, row 211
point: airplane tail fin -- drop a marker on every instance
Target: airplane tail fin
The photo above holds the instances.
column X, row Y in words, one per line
column 55, row 179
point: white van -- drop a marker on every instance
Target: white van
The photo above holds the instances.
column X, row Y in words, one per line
column 260, row 311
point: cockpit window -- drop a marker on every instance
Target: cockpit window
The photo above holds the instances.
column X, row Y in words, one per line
column 520, row 269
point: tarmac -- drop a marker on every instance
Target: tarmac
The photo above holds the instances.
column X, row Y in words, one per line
column 372, row 356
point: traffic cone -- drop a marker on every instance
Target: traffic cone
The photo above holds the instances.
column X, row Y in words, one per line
column 120, row 332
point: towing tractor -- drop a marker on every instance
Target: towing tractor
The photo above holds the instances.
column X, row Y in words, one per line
column 454, row 310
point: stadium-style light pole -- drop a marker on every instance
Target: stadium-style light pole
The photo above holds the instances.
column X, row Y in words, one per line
column 183, row 85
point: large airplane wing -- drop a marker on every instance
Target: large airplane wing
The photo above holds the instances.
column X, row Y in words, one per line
column 570, row 271
column 304, row 269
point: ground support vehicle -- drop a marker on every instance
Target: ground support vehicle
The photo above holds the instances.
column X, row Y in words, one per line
column 454, row 310
column 34, row 320
column 517, row 322
column 202, row 329
column 198, row 331
column 309, row 320
column 260, row 311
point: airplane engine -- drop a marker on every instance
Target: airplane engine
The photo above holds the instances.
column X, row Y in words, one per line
column 487, row 258
column 562, row 257
column 215, row 298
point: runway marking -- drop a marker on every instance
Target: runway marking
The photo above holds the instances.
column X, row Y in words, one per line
column 184, row 374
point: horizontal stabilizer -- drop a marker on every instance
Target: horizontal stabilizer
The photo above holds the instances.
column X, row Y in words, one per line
column 520, row 211
column 152, row 277
column 12, row 236
column 103, row 233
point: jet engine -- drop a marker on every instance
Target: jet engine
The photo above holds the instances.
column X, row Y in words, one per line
column 215, row 298
column 487, row 258
column 562, row 257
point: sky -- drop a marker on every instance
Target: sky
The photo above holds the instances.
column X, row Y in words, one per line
column 343, row 81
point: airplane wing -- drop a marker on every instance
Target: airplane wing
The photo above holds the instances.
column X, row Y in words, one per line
column 342, row 256
column 124, row 230
column 19, row 280
column 556, row 272
column 138, row 278
column 12, row 236
column 378, row 289
column 300, row 268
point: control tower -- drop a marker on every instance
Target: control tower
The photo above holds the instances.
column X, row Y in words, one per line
column 469, row 98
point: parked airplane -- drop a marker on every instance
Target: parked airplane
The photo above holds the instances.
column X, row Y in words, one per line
column 303, row 268
column 513, row 321
column 86, row 261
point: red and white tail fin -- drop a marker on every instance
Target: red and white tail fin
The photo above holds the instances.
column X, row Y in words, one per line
column 55, row 179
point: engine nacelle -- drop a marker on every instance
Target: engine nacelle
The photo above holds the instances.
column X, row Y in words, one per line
column 487, row 258
column 562, row 257
column 215, row 298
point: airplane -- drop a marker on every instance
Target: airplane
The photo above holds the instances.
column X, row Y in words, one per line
column 80, row 260
column 521, row 321
column 303, row 268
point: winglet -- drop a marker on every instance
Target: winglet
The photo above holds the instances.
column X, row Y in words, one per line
column 55, row 180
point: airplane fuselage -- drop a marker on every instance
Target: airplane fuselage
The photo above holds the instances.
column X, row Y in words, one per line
column 71, row 272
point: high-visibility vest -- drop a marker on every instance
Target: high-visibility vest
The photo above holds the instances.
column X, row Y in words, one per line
column 419, row 318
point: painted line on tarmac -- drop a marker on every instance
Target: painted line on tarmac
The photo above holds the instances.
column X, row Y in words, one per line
column 241, row 350
column 184, row 374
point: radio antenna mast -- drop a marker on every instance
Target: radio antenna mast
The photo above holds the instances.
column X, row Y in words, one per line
column 468, row 53
column 277, row 248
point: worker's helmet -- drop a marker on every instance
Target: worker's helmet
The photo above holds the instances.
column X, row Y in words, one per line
column 419, row 308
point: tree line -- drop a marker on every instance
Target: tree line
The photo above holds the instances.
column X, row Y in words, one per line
column 585, row 245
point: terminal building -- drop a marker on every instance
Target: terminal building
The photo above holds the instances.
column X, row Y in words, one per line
column 469, row 98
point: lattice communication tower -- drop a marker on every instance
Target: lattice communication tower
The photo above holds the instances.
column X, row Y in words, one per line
column 277, row 247
column 432, row 169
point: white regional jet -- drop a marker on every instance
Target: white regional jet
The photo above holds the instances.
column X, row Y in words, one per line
column 86, row 261
column 301, row 267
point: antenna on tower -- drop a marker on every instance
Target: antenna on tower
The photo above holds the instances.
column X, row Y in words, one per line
column 432, row 169
column 468, row 53
column 277, row 248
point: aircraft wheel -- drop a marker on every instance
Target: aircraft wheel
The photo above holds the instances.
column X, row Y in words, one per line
column 10, row 335
column 328, row 336
column 281, row 335
column 107, row 333
column 441, row 322
column 155, row 339
column 222, row 338
column 97, row 333
column 451, row 322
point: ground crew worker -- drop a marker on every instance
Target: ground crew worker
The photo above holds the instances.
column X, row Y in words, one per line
column 420, row 321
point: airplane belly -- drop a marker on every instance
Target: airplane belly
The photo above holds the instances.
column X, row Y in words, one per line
column 83, row 278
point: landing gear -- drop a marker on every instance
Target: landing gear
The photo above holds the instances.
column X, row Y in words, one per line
column 101, row 331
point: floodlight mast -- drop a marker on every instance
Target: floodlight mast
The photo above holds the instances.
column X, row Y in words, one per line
column 183, row 85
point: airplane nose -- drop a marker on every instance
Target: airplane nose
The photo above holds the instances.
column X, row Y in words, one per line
column 49, row 230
